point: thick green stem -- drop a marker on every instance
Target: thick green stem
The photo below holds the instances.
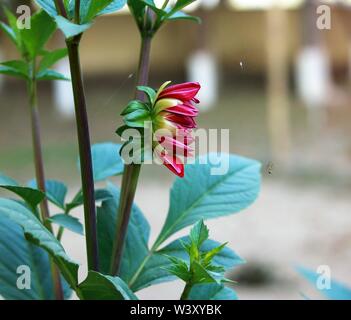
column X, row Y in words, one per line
column 40, row 175
column 84, row 153
column 131, row 171
column 186, row 291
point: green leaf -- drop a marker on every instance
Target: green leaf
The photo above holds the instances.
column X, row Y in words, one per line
column 51, row 75
column 137, row 118
column 35, row 38
column 201, row 195
column 5, row 180
column 155, row 268
column 16, row 68
column 201, row 275
column 89, row 9
column 95, row 8
column 208, row 256
column 199, row 233
column 107, row 161
column 136, row 246
column 180, row 4
column 100, row 195
column 134, row 105
column 36, row 233
column 55, row 191
column 16, row 251
column 226, row 258
column 12, row 20
column 31, row 196
column 51, row 57
column 102, row 287
column 66, row 221
column 69, row 28
column 48, row 6
column 183, row 16
column 114, row 6
column 150, row 93
column 211, row 291
column 9, row 32
column 337, row 290
column 152, row 5
column 178, row 268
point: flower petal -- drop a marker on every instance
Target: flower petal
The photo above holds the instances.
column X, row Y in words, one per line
column 184, row 91
column 181, row 121
column 184, row 109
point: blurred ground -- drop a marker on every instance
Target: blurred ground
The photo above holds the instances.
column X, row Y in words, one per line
column 301, row 218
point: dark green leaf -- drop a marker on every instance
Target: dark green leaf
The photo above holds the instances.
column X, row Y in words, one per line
column 183, row 16
column 136, row 247
column 211, row 291
column 107, row 161
column 180, row 4
column 226, row 258
column 100, row 195
column 134, row 105
column 203, row 195
column 178, row 268
column 51, row 75
column 155, row 268
column 114, row 6
column 102, row 287
column 51, row 57
column 9, row 32
column 7, row 181
column 35, row 38
column 152, row 5
column 12, row 20
column 31, row 196
column 16, row 68
column 89, row 9
column 55, row 191
column 48, row 6
column 66, row 221
column 199, row 233
column 69, row 28
column 201, row 275
column 150, row 93
column 16, row 251
column 40, row 236
column 136, row 118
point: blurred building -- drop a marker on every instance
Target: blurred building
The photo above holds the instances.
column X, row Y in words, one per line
column 237, row 34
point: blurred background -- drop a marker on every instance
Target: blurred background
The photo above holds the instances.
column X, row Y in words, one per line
column 277, row 73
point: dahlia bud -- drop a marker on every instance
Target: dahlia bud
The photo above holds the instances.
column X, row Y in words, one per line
column 172, row 113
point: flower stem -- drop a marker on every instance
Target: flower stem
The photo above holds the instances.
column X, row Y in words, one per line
column 60, row 8
column 39, row 172
column 131, row 171
column 84, row 153
column 186, row 291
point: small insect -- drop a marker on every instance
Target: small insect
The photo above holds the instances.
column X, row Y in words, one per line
column 270, row 168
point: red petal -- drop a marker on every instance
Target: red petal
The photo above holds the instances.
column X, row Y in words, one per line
column 174, row 164
column 182, row 122
column 175, row 146
column 184, row 109
column 184, row 91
